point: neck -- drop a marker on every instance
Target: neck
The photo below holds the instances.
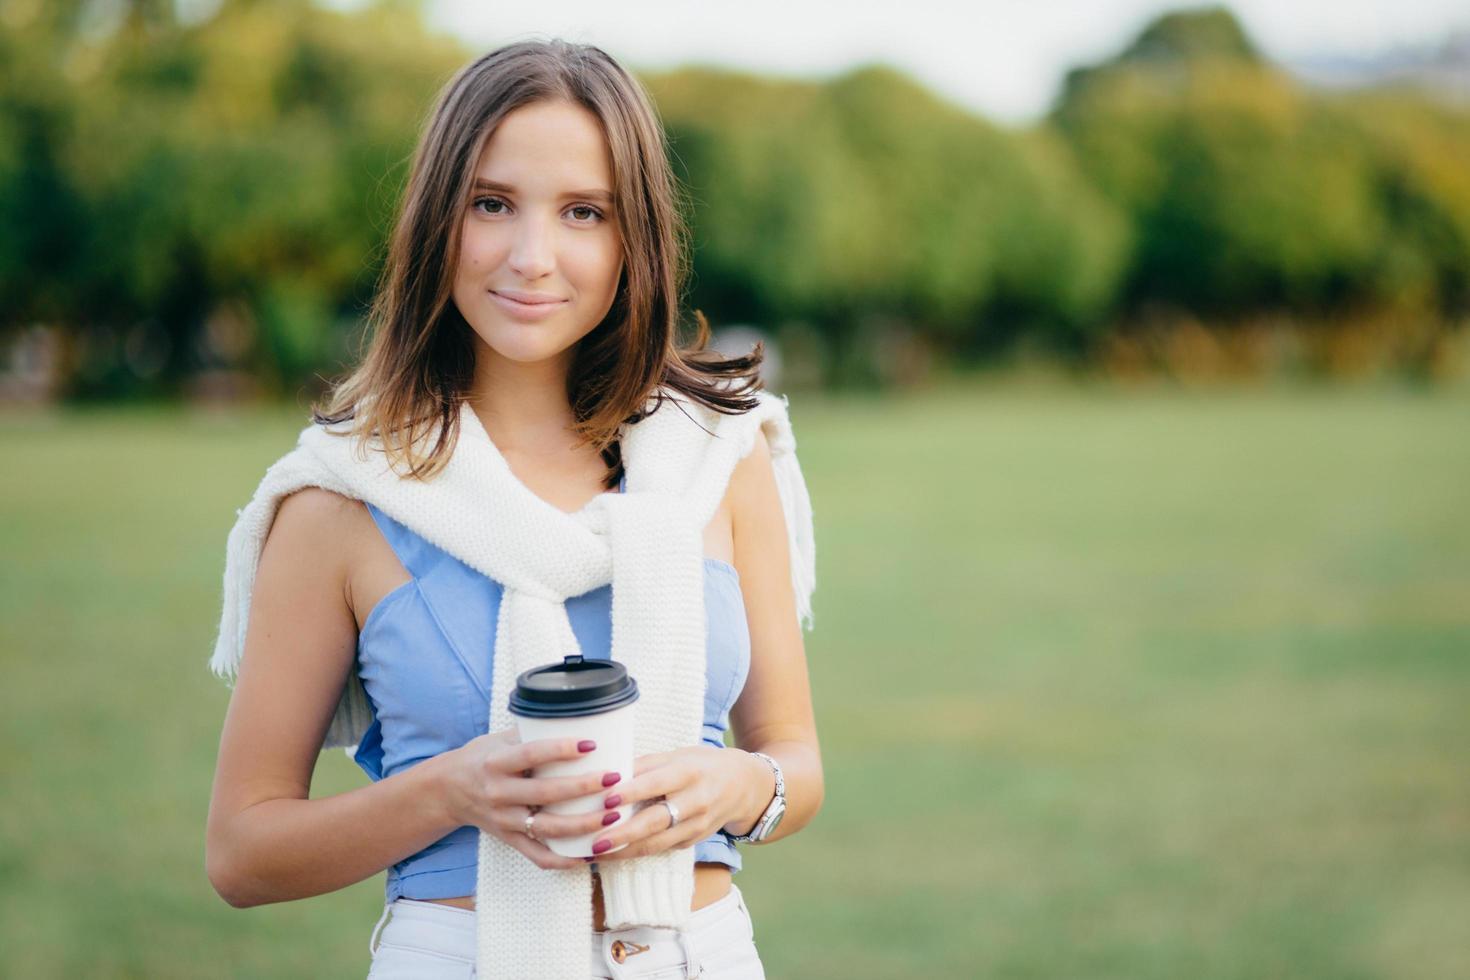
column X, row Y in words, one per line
column 524, row 407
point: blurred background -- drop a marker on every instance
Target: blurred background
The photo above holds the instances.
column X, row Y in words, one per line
column 1128, row 351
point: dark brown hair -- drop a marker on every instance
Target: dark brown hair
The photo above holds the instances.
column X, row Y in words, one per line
column 419, row 363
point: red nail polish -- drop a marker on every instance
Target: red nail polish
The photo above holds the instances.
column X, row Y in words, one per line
column 586, row 745
column 601, row 846
column 611, row 778
column 612, row 801
column 611, row 818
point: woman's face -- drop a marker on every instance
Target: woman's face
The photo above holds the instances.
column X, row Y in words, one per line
column 539, row 227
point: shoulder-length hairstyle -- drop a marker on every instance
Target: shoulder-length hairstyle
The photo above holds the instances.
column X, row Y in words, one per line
column 419, row 363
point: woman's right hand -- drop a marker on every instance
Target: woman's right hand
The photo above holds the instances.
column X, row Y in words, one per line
column 487, row 783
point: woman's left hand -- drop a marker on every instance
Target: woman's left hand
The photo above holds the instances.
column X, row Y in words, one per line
column 710, row 787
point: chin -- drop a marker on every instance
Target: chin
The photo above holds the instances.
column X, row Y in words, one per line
column 537, row 358
column 513, row 343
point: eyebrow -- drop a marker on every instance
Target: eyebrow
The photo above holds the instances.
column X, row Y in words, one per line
column 595, row 193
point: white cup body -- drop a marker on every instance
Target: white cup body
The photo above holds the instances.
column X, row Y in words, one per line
column 613, row 733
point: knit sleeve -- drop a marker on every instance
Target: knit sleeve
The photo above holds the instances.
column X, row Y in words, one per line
column 795, row 501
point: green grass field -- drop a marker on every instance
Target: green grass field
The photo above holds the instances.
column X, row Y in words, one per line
column 1157, row 684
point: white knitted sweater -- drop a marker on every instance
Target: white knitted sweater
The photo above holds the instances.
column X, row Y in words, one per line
column 648, row 542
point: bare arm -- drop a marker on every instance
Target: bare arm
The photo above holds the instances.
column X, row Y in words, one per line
column 774, row 712
column 265, row 840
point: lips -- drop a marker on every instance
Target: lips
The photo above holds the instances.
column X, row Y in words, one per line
column 526, row 311
column 526, row 299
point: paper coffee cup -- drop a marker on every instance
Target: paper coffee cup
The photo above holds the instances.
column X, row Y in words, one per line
column 579, row 699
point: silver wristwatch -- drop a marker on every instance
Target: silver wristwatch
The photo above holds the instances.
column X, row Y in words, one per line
column 777, row 808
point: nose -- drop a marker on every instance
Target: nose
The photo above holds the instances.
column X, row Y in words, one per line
column 533, row 250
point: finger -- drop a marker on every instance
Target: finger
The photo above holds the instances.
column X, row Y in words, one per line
column 647, row 823
column 541, row 855
column 536, row 851
column 541, row 790
column 651, row 761
column 678, row 836
column 662, row 781
column 548, row 825
column 528, row 755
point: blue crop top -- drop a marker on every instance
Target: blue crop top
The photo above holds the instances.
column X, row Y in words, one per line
column 424, row 658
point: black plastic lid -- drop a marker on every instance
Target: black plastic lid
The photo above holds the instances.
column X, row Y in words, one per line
column 573, row 687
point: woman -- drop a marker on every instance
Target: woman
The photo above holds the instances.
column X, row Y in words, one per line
column 526, row 321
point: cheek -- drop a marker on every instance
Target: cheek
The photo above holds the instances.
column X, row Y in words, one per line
column 598, row 264
column 477, row 250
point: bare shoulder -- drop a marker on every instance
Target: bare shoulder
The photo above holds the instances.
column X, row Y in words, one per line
column 313, row 545
column 758, row 520
column 335, row 537
column 754, row 473
column 314, row 512
column 320, row 525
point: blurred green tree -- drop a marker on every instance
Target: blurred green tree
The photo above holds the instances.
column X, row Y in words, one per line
column 864, row 196
column 210, row 195
column 253, row 156
column 1247, row 190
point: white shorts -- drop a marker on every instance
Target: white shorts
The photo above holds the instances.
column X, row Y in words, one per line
column 430, row 940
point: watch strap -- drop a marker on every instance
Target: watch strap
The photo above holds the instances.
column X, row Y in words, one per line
column 777, row 799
